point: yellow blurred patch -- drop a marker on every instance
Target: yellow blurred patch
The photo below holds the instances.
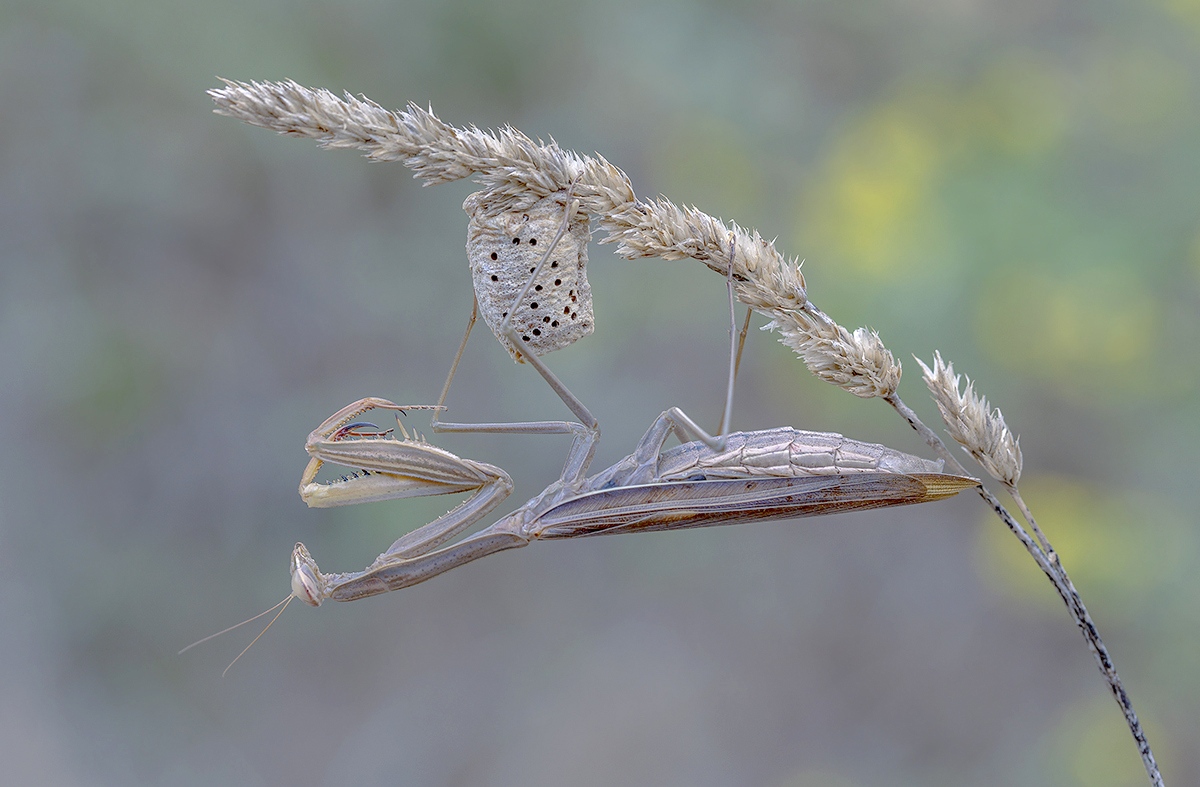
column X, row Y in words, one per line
column 1186, row 11
column 1092, row 747
column 871, row 206
column 876, row 204
column 1120, row 547
column 1088, row 334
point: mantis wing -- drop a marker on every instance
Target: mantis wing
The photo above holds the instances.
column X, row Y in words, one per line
column 703, row 502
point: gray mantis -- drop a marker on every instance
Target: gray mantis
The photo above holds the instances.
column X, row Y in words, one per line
column 527, row 247
column 760, row 475
column 737, row 477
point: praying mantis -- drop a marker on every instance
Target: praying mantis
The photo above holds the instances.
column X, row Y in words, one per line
column 763, row 475
column 737, row 477
column 527, row 247
column 779, row 473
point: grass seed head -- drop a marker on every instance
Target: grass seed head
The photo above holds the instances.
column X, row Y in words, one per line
column 978, row 429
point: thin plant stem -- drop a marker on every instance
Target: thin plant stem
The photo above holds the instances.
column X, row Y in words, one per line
column 1048, row 561
column 1025, row 512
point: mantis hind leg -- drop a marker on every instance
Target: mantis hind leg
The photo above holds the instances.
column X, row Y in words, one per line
column 642, row 466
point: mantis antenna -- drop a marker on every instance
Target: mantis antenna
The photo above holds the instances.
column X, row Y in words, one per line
column 283, row 604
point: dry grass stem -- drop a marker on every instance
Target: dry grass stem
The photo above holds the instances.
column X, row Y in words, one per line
column 983, row 433
column 1051, row 555
column 514, row 170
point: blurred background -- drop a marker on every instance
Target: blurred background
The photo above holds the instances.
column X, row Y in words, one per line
column 182, row 298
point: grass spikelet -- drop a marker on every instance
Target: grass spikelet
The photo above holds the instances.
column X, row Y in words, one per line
column 857, row 362
column 972, row 424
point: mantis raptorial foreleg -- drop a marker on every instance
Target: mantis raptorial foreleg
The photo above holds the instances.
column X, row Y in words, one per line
column 386, row 468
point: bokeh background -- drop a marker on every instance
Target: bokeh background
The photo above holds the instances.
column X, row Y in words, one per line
column 182, row 298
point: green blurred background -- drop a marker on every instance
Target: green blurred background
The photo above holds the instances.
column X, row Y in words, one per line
column 182, row 298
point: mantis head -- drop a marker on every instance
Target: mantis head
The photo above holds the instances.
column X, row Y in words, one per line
column 308, row 583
